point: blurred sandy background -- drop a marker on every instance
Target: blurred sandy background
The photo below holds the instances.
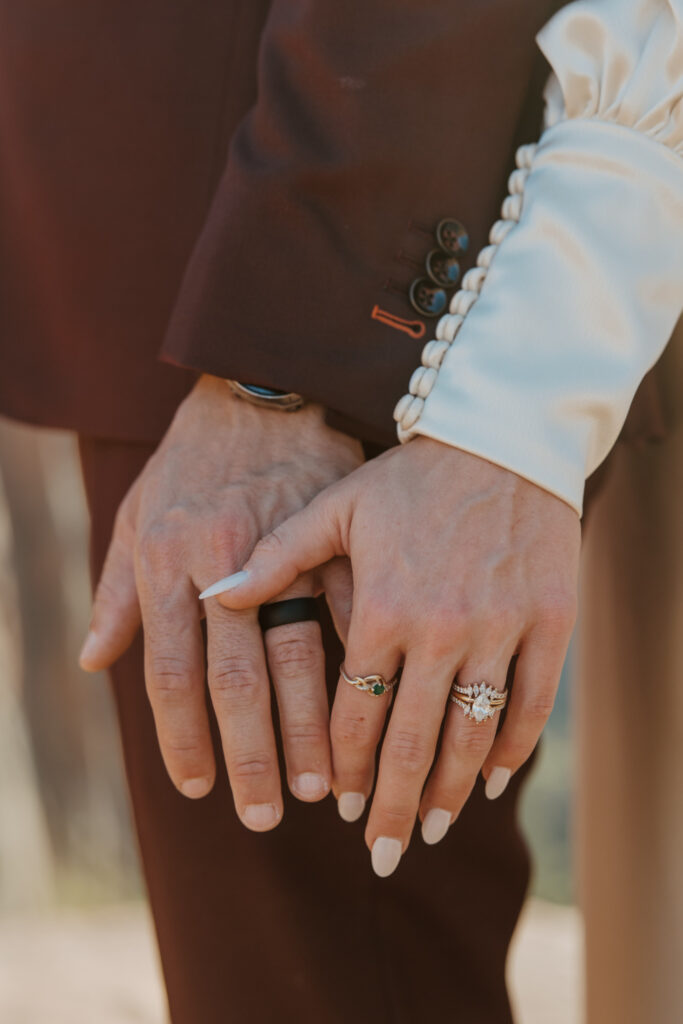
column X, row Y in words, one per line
column 75, row 939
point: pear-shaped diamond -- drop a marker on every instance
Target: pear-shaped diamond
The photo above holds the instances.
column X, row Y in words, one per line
column 481, row 709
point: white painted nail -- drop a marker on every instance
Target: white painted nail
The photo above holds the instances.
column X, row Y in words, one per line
column 385, row 856
column 260, row 817
column 350, row 806
column 227, row 583
column 310, row 785
column 194, row 789
column 497, row 781
column 436, row 825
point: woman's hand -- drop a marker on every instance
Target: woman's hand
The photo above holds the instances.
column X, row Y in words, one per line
column 457, row 565
column 225, row 474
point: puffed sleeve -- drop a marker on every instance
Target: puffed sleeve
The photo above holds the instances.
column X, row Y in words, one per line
column 536, row 364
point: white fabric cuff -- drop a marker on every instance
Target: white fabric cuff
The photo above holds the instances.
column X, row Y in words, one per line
column 580, row 299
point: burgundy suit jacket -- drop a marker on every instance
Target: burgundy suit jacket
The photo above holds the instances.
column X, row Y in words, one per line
column 243, row 187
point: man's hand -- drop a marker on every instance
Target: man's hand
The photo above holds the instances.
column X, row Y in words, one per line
column 225, row 474
column 458, row 565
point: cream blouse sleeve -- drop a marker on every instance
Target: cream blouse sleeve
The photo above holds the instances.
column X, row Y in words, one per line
column 538, row 360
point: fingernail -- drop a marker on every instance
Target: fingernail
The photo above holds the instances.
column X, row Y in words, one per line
column 309, row 785
column 386, row 853
column 227, row 583
column 260, row 816
column 195, row 788
column 497, row 781
column 88, row 649
column 436, row 825
column 350, row 806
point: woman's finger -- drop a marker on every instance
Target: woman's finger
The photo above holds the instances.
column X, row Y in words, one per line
column 464, row 745
column 537, row 677
column 406, row 758
column 297, row 668
column 304, row 541
column 358, row 718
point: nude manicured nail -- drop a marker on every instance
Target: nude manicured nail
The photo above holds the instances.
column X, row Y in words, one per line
column 260, row 816
column 497, row 781
column 436, row 825
column 350, row 806
column 88, row 650
column 385, row 856
column 195, row 788
column 227, row 583
column 309, row 785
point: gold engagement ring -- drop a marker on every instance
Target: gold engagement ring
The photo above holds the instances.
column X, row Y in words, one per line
column 479, row 701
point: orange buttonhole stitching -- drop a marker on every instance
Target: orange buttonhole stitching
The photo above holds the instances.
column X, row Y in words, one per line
column 414, row 328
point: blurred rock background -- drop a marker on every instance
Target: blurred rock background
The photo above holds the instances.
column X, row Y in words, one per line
column 65, row 838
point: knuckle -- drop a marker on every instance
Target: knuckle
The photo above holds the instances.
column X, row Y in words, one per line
column 473, row 743
column 290, row 656
column 378, row 613
column 407, row 749
column 309, row 733
column 558, row 613
column 171, row 677
column 396, row 818
column 156, row 541
column 188, row 749
column 235, row 678
column 224, row 541
column 445, row 628
column 537, row 706
column 348, row 730
column 169, row 671
column 272, row 543
column 252, row 766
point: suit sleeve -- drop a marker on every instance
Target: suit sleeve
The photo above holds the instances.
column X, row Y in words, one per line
column 375, row 122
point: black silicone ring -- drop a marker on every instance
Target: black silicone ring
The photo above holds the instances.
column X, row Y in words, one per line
column 282, row 613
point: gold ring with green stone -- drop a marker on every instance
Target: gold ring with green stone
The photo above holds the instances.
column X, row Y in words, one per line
column 376, row 685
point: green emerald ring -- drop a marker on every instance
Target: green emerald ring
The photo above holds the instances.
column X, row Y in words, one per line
column 376, row 685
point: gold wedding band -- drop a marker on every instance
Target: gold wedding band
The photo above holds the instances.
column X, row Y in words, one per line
column 479, row 701
column 374, row 684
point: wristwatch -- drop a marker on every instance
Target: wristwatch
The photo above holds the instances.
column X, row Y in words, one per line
column 267, row 398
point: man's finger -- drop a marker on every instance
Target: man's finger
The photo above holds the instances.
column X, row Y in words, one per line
column 297, row 667
column 336, row 580
column 306, row 540
column 116, row 610
column 240, row 692
column 174, row 673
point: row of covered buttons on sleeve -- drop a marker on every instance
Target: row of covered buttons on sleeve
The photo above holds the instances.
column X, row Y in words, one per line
column 429, row 295
column 410, row 406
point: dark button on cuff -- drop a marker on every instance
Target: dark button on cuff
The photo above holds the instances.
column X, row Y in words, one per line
column 442, row 268
column 452, row 236
column 427, row 298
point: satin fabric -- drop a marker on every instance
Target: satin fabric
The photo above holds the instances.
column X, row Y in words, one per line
column 584, row 292
column 630, row 725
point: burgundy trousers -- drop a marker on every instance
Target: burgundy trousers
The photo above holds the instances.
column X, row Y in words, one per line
column 292, row 926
